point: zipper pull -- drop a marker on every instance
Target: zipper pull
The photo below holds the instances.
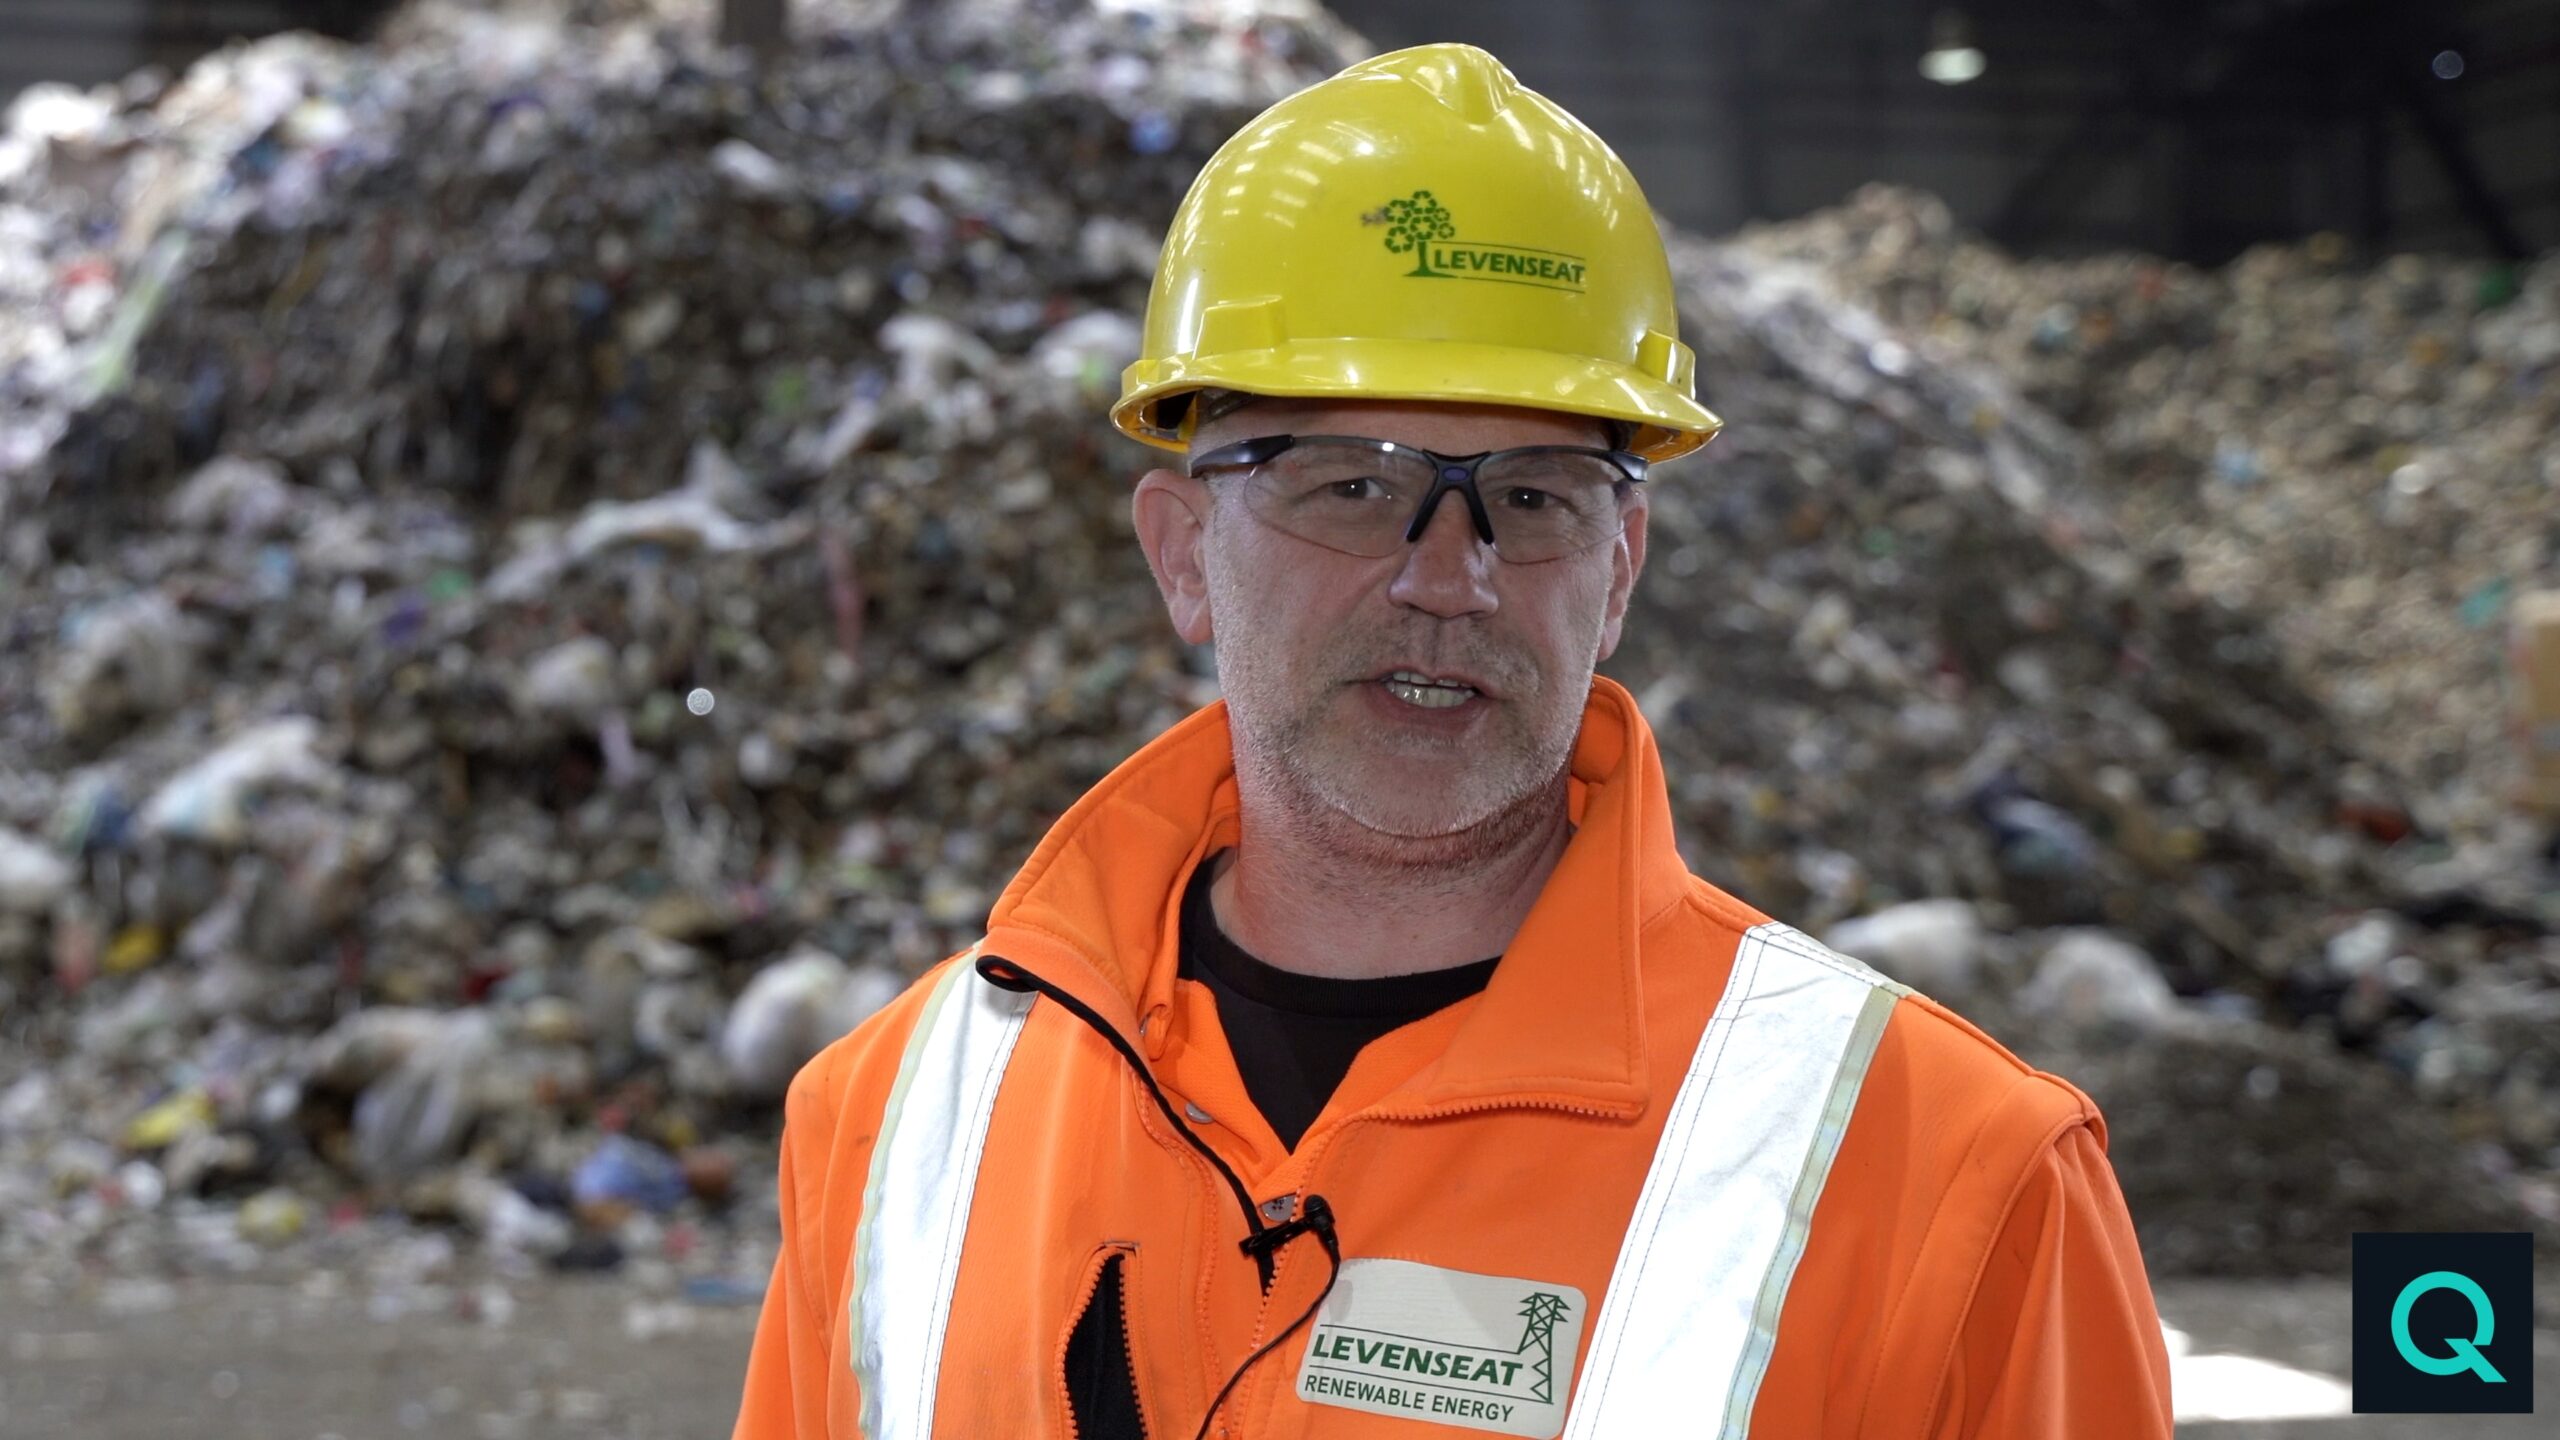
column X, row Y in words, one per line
column 1316, row 1218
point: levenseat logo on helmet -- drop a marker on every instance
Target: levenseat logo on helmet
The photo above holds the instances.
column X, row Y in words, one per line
column 1574, row 309
column 1421, row 227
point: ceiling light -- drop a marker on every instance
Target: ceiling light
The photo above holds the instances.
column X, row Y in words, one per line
column 1952, row 58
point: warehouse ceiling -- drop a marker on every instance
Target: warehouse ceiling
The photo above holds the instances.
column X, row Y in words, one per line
column 2186, row 128
column 2181, row 127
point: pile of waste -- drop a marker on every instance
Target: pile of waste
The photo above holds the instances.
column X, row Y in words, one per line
column 2364, row 453
column 561, row 572
column 545, row 569
column 1920, row 679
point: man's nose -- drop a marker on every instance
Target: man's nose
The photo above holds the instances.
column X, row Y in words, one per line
column 1449, row 571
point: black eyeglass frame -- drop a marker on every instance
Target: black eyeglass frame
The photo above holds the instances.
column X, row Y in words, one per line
column 1448, row 472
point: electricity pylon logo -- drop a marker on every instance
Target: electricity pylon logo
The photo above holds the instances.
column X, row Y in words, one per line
column 1542, row 1311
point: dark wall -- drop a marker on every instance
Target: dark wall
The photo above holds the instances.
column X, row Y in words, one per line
column 83, row 42
column 2183, row 127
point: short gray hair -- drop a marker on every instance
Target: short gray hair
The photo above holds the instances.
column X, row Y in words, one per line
column 1218, row 404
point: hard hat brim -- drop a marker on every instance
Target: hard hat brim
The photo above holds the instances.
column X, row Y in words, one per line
column 1669, row 423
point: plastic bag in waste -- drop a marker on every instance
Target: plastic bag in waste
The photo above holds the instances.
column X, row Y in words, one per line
column 628, row 1174
column 210, row 799
column 418, row 1114
column 1934, row 946
column 791, row 1010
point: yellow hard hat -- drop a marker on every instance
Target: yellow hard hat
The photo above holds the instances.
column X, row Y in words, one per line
column 1421, row 226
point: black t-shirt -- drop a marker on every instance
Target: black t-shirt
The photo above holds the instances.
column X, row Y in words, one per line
column 1295, row 1036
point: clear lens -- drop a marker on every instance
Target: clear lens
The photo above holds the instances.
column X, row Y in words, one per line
column 1550, row 503
column 1360, row 499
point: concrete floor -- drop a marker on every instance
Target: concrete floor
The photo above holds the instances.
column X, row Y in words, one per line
column 264, row 1361
column 218, row 1360
column 2303, row 1324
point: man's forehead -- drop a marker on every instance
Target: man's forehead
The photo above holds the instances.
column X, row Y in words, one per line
column 1436, row 424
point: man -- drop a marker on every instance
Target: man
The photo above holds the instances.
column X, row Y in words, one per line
column 1360, row 1059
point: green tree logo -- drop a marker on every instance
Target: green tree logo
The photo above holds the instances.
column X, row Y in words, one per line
column 1413, row 224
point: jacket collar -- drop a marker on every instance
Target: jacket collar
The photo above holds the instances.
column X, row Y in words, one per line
column 1095, row 910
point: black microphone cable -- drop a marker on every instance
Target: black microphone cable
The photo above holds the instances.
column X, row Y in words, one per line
column 1316, row 1217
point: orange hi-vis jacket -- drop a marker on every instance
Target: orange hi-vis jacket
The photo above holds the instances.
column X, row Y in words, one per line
column 1677, row 1170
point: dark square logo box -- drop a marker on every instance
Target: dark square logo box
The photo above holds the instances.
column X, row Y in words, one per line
column 2443, row 1324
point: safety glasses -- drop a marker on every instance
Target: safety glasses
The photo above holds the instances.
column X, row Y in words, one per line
column 1370, row 498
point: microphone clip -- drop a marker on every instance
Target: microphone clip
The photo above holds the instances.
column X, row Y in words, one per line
column 1315, row 1216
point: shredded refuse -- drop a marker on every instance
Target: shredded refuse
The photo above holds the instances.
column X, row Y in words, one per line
column 547, row 569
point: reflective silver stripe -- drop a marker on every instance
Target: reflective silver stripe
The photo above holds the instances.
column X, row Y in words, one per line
column 1691, row 1312
column 1690, row 1317
column 915, row 1201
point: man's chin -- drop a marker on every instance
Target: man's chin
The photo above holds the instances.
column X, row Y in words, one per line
column 1406, row 799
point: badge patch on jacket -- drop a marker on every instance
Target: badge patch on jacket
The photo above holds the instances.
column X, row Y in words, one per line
column 1449, row 1346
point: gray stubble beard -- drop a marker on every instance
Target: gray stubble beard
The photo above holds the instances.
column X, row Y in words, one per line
column 1278, row 769
column 1279, row 777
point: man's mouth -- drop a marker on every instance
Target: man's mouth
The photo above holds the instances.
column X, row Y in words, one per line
column 1427, row 691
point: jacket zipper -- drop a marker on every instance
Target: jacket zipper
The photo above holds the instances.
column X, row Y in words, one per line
column 1123, row 1253
column 1262, row 1242
column 1129, row 1342
column 1006, row 974
column 1477, row 1107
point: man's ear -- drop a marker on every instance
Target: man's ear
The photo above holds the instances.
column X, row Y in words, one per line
column 1626, row 561
column 1172, row 514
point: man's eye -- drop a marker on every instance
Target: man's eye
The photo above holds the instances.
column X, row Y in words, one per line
column 1353, row 489
column 1521, row 497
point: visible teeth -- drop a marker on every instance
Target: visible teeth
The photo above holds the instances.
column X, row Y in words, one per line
column 1416, row 677
column 1426, row 694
